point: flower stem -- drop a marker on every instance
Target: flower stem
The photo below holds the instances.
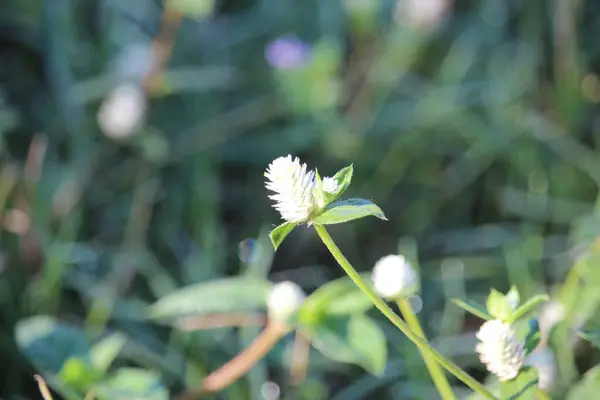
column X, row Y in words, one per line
column 437, row 374
column 396, row 320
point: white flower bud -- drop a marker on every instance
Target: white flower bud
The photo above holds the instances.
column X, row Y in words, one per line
column 293, row 186
column 500, row 350
column 284, row 300
column 123, row 111
column 424, row 15
column 330, row 185
column 394, row 277
column 545, row 362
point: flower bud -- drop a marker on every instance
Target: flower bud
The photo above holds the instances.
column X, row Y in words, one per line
column 393, row 277
column 284, row 300
column 123, row 111
column 500, row 350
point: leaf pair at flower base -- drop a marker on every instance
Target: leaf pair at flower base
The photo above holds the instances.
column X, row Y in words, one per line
column 330, row 211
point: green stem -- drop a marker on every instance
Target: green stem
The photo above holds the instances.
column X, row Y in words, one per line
column 396, row 320
column 437, row 374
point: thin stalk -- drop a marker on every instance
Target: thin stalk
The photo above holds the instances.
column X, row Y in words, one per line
column 437, row 374
column 396, row 320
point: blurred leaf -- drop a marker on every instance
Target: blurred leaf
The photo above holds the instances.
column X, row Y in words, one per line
column 106, row 350
column 354, row 340
column 528, row 307
column 588, row 387
column 230, row 294
column 278, row 234
column 78, row 373
column 132, row 383
column 474, row 308
column 338, row 297
column 513, row 297
column 498, row 306
column 49, row 344
column 368, row 339
column 348, row 210
column 532, row 336
column 592, row 336
column 523, row 387
column 198, row 9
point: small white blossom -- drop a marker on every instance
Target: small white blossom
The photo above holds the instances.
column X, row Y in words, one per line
column 544, row 361
column 500, row 350
column 293, row 186
column 330, row 185
column 123, row 111
column 421, row 14
column 284, row 300
column 394, row 277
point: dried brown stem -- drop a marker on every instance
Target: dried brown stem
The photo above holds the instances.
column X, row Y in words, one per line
column 219, row 321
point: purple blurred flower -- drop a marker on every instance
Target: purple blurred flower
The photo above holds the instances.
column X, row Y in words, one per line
column 287, row 52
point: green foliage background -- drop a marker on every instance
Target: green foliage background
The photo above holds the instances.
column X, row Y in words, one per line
column 478, row 139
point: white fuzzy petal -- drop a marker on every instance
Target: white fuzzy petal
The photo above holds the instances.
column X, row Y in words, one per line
column 284, row 300
column 500, row 350
column 394, row 277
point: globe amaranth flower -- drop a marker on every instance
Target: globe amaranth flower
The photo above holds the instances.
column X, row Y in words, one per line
column 284, row 300
column 293, row 186
column 500, row 350
column 393, row 277
column 544, row 361
column 287, row 52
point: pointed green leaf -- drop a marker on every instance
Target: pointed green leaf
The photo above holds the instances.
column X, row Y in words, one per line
column 221, row 295
column 278, row 234
column 523, row 387
column 497, row 306
column 528, row 307
column 106, row 350
column 474, row 308
column 348, row 210
column 588, row 387
column 343, row 179
column 591, row 335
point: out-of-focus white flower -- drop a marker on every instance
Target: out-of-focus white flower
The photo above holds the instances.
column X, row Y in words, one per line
column 330, row 185
column 284, row 300
column 551, row 314
column 421, row 14
column 500, row 350
column 394, row 277
column 544, row 361
column 293, row 186
column 123, row 111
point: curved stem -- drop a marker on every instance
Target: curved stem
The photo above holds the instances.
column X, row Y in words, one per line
column 437, row 374
column 396, row 320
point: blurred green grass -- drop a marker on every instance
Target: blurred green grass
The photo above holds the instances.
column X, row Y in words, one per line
column 478, row 140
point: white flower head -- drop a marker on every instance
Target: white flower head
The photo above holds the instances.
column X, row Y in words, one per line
column 330, row 185
column 122, row 111
column 513, row 300
column 293, row 186
column 500, row 349
column 284, row 300
column 394, row 277
column 545, row 362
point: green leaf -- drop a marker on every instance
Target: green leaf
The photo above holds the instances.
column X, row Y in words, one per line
column 106, row 350
column 348, row 210
column 278, row 234
column 222, row 295
column 591, row 335
column 474, row 308
column 497, row 306
column 198, row 9
column 48, row 344
column 532, row 336
column 368, row 339
column 78, row 373
column 338, row 297
column 528, row 307
column 588, row 387
column 523, row 387
column 132, row 383
column 354, row 340
column 513, row 297
column 343, row 178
